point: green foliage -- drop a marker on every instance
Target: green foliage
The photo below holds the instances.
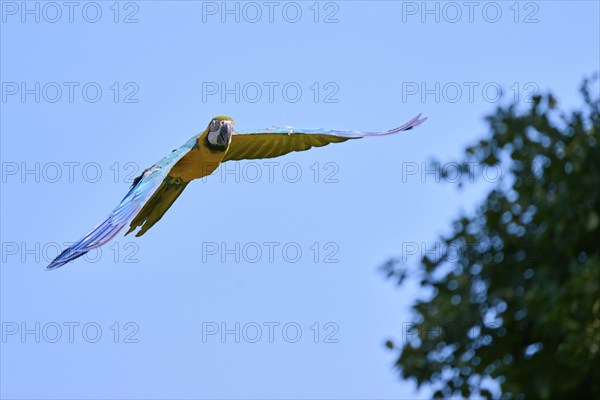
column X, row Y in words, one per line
column 520, row 304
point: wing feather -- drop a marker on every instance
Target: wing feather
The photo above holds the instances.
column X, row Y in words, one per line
column 275, row 142
column 138, row 195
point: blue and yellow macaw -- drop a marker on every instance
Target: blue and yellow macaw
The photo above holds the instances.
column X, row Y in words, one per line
column 155, row 190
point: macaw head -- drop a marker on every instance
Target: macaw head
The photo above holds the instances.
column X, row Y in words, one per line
column 220, row 130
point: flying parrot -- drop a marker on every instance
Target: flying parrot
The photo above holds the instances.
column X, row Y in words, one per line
column 154, row 191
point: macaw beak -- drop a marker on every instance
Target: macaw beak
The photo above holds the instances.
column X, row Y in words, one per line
column 225, row 134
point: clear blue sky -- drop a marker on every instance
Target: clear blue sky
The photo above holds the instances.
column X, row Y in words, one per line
column 166, row 293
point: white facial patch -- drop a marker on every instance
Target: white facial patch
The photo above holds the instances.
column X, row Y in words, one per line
column 214, row 137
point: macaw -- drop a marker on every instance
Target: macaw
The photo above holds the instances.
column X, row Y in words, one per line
column 154, row 191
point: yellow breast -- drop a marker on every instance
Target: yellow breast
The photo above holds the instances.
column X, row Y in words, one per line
column 198, row 163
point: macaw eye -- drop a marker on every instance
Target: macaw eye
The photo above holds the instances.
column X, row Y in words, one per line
column 214, row 125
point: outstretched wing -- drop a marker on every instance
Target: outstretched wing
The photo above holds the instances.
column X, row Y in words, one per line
column 148, row 186
column 275, row 142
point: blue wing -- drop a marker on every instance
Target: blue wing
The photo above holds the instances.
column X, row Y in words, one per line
column 413, row 123
column 276, row 141
column 140, row 192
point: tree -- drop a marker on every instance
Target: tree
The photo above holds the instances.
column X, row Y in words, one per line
column 517, row 304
